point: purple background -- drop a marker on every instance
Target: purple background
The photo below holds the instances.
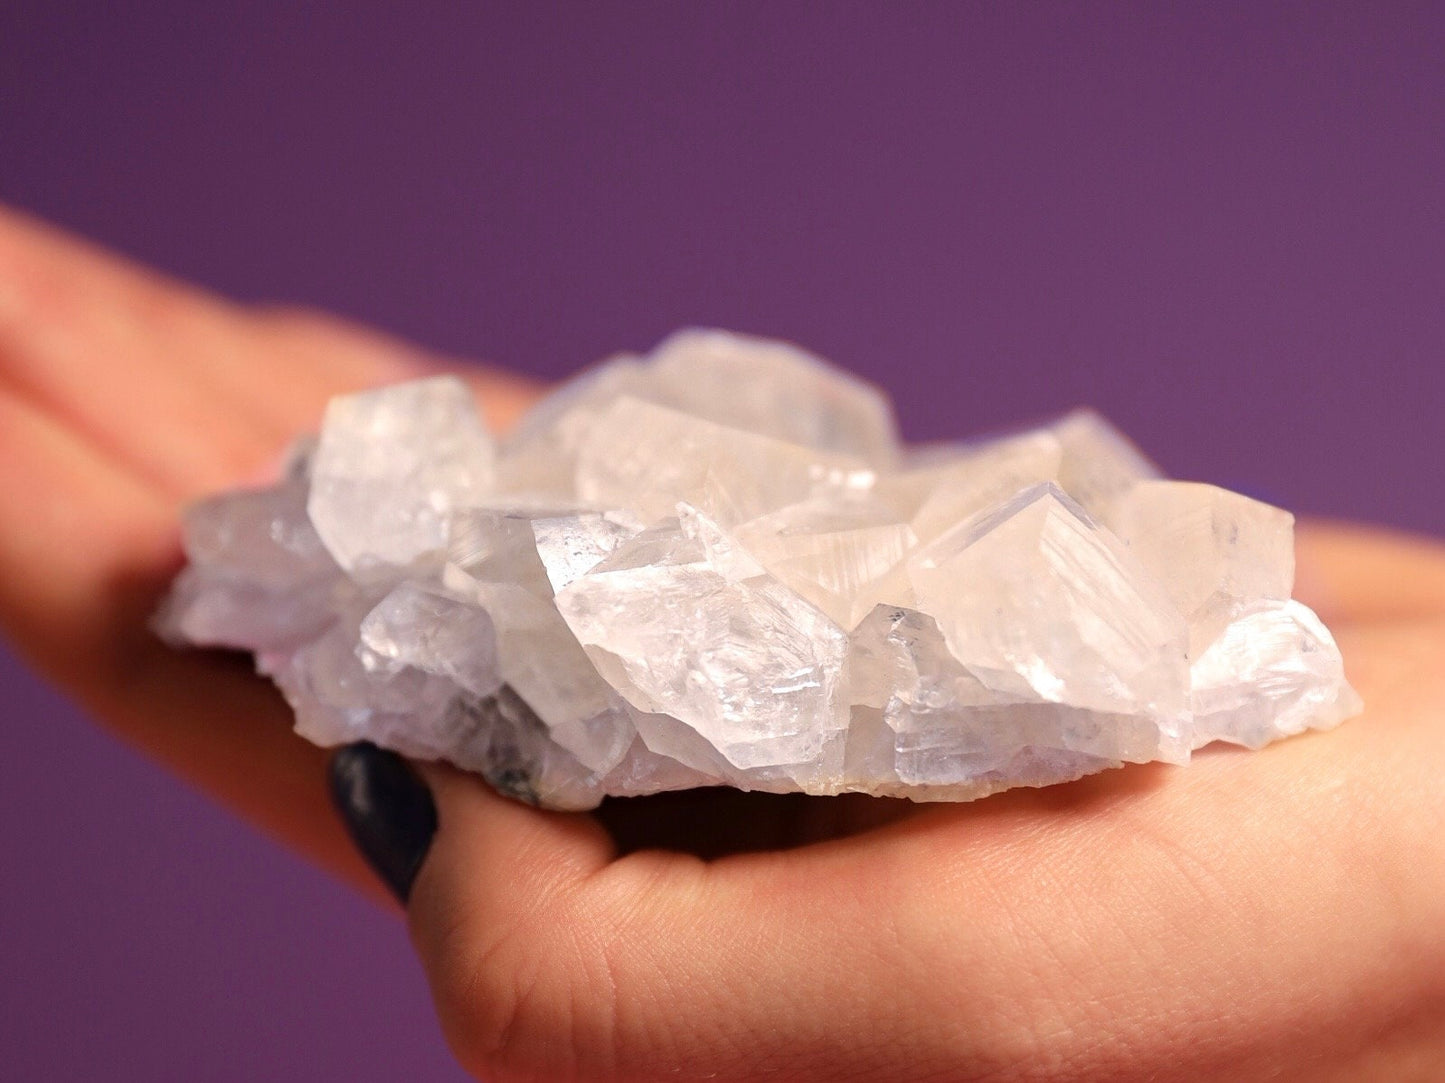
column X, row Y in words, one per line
column 1221, row 226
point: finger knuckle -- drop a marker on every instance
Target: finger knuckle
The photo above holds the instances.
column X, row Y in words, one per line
column 516, row 1002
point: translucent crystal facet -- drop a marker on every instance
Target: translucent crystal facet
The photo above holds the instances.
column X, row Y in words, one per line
column 715, row 564
column 752, row 668
column 646, row 458
column 1082, row 624
column 390, row 467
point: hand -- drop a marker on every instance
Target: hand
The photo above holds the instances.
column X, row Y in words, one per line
column 1274, row 914
column 123, row 396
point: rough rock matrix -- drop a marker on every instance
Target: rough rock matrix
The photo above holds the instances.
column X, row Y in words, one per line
column 717, row 565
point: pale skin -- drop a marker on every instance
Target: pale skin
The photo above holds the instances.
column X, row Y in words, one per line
column 1274, row 915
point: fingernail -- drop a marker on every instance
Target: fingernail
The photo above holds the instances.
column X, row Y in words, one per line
column 387, row 809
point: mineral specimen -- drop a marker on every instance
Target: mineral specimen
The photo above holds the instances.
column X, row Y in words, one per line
column 717, row 565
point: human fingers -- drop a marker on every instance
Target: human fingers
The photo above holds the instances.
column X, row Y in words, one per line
column 126, row 359
column 122, row 394
column 185, row 389
column 306, row 338
column 551, row 958
column 84, row 548
column 489, row 884
column 1358, row 573
column 1245, row 914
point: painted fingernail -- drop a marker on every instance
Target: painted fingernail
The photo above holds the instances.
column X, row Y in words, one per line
column 387, row 809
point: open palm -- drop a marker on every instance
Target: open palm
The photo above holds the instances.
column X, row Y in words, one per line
column 1274, row 914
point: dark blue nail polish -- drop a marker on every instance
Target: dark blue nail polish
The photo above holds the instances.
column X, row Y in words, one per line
column 387, row 809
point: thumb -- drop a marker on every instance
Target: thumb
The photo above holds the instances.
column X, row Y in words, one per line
column 551, row 958
column 494, row 902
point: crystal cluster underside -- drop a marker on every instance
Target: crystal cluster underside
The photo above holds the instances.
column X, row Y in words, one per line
column 717, row 565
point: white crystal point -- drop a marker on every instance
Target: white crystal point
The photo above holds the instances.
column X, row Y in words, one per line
column 1099, row 462
column 952, row 734
column 391, row 465
column 262, row 536
column 338, row 698
column 978, row 477
column 713, row 565
column 211, row 610
column 259, row 577
column 1040, row 602
column 765, row 388
column 1081, row 453
column 540, row 456
column 572, row 545
column 493, row 562
column 1205, row 544
column 649, row 458
column 720, row 549
column 495, row 545
column 843, row 557
column 1273, row 672
column 773, row 389
column 750, row 667
column 429, row 629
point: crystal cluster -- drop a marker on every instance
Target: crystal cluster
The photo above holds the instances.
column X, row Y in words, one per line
column 717, row 565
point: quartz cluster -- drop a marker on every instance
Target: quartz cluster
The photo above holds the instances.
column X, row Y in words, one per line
column 717, row 565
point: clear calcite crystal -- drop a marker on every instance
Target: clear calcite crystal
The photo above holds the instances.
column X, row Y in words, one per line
column 717, row 565
column 391, row 466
